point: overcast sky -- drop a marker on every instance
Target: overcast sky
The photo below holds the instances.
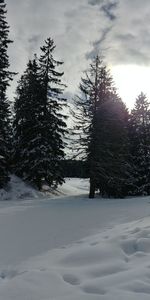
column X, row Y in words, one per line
column 120, row 29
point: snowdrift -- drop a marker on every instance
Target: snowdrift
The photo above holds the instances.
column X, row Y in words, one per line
column 69, row 247
column 112, row 265
column 17, row 189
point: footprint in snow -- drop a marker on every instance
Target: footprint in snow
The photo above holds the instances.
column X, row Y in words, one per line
column 71, row 279
column 94, row 243
column 90, row 289
column 9, row 274
column 138, row 287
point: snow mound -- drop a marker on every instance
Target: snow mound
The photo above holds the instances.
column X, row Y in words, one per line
column 16, row 189
column 112, row 265
column 74, row 186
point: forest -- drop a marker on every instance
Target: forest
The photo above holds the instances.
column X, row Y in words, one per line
column 108, row 144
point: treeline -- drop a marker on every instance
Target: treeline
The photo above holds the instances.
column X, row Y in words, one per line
column 75, row 168
column 111, row 144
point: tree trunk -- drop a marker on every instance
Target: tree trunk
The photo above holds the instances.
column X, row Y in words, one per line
column 92, row 189
column 39, row 183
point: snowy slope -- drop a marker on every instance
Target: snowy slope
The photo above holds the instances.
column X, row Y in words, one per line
column 16, row 189
column 112, row 265
column 73, row 248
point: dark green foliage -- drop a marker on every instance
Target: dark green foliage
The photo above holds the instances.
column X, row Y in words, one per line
column 27, row 132
column 75, row 168
column 39, row 125
column 112, row 170
column 101, row 125
column 53, row 123
column 139, row 133
column 5, row 77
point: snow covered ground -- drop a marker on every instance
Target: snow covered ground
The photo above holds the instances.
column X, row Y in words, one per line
column 69, row 247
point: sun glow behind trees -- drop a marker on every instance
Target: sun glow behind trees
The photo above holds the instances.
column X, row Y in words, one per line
column 130, row 80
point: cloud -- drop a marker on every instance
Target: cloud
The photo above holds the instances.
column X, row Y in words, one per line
column 74, row 26
column 95, row 2
column 33, row 43
column 80, row 29
column 98, row 45
column 108, row 10
column 129, row 39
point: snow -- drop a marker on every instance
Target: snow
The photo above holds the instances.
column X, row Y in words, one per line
column 69, row 247
column 16, row 189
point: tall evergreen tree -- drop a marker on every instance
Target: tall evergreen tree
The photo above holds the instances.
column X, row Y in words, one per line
column 112, row 157
column 139, row 132
column 39, row 125
column 101, row 125
column 53, row 125
column 5, row 77
column 27, row 130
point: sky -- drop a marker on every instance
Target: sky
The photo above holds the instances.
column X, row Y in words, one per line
column 81, row 29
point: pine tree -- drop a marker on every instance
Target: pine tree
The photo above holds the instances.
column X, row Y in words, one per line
column 101, row 126
column 139, row 126
column 27, row 130
column 112, row 160
column 5, row 77
column 53, row 125
column 39, row 125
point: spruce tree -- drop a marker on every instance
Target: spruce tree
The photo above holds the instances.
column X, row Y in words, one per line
column 139, row 133
column 101, row 126
column 27, row 131
column 53, row 125
column 112, row 160
column 39, row 125
column 5, row 77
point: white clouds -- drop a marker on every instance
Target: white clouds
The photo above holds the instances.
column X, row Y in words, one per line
column 129, row 39
column 80, row 29
column 73, row 25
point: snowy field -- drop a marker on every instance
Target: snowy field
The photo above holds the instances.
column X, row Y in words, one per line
column 69, row 247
